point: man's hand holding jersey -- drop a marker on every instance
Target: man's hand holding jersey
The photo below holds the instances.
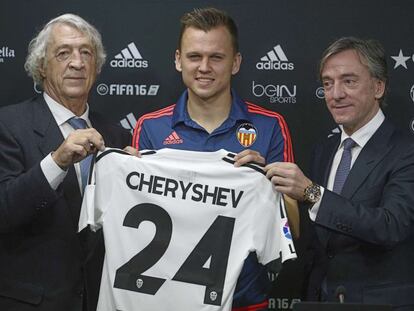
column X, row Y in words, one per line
column 77, row 146
column 247, row 156
column 292, row 210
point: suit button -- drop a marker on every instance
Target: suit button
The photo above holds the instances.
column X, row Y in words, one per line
column 41, row 205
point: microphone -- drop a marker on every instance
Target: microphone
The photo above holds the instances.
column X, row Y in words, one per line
column 340, row 293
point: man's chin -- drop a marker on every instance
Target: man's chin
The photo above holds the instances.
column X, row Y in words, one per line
column 203, row 94
column 341, row 116
column 75, row 92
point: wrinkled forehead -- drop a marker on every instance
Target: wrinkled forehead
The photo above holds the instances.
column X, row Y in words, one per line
column 64, row 34
column 344, row 61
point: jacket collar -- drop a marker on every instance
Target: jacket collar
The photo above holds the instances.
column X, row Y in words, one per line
column 377, row 147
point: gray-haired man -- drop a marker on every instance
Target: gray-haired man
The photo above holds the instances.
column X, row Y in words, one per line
column 45, row 264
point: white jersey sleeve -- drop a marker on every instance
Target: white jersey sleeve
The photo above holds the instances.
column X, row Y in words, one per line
column 267, row 240
column 178, row 226
column 88, row 209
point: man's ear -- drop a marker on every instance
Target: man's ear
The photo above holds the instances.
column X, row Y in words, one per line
column 178, row 60
column 42, row 69
column 379, row 89
column 236, row 63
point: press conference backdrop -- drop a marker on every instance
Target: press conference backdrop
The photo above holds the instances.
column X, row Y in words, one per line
column 280, row 40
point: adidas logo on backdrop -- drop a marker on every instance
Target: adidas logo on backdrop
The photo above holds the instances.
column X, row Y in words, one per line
column 129, row 57
column 275, row 60
column 129, row 122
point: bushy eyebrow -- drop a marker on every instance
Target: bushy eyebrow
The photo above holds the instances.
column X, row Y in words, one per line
column 342, row 76
column 69, row 46
column 199, row 53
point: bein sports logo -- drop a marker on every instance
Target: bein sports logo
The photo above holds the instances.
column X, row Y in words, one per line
column 278, row 93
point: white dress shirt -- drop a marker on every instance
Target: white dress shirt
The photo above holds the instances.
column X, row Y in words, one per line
column 360, row 137
column 53, row 173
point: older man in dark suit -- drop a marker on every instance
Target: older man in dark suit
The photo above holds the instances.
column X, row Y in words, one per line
column 45, row 147
column 360, row 191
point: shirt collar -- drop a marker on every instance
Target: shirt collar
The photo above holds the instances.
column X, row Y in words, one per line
column 61, row 113
column 362, row 135
column 238, row 109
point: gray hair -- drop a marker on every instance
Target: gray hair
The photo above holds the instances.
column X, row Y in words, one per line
column 371, row 53
column 36, row 57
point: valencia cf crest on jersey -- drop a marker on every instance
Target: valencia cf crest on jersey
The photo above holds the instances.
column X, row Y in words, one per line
column 246, row 134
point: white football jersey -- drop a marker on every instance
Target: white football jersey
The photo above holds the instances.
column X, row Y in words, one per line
column 178, row 226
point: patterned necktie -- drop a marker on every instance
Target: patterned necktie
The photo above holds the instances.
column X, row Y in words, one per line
column 344, row 166
column 78, row 123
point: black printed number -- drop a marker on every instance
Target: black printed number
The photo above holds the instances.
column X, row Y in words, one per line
column 206, row 265
column 129, row 275
column 213, row 246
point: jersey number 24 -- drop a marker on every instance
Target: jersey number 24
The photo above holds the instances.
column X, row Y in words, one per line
column 215, row 244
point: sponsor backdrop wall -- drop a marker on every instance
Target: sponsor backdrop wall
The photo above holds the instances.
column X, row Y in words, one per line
column 280, row 41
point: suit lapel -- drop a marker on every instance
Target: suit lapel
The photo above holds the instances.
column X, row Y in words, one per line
column 327, row 157
column 372, row 153
column 324, row 164
column 49, row 138
column 44, row 125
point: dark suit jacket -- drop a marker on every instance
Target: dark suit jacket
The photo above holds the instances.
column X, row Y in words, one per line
column 44, row 263
column 364, row 237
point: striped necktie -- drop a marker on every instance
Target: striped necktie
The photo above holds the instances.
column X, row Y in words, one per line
column 344, row 166
column 78, row 123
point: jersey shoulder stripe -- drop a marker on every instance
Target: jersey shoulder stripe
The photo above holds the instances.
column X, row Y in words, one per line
column 288, row 149
column 229, row 158
column 167, row 111
column 120, row 151
column 111, row 150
